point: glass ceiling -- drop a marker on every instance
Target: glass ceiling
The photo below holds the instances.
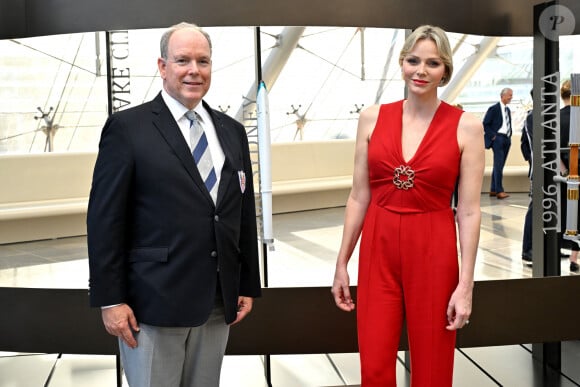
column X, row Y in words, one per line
column 329, row 77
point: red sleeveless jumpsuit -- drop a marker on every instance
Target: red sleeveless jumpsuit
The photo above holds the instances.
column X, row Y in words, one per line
column 408, row 263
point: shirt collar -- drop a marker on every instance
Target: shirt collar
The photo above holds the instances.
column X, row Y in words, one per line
column 178, row 110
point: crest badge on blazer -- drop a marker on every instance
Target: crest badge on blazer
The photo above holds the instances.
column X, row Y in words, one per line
column 242, row 179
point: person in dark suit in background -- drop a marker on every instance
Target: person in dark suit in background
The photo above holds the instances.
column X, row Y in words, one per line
column 173, row 256
column 497, row 124
column 527, row 151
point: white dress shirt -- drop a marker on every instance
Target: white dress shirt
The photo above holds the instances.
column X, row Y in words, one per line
column 178, row 112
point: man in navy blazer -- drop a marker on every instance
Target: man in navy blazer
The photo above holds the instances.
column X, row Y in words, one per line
column 171, row 267
column 498, row 131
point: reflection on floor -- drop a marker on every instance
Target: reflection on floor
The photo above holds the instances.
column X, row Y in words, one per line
column 306, row 244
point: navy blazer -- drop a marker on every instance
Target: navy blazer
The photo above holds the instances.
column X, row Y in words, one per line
column 155, row 238
column 492, row 122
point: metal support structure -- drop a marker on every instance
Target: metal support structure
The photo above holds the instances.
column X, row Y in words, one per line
column 287, row 41
column 546, row 257
column 390, row 56
column 109, row 76
column 545, row 238
column 259, row 75
column 546, row 116
column 49, row 129
column 458, row 81
column 118, row 71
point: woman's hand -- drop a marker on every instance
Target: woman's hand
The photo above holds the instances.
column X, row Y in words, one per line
column 459, row 308
column 341, row 290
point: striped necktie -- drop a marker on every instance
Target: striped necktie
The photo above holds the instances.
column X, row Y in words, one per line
column 508, row 121
column 201, row 153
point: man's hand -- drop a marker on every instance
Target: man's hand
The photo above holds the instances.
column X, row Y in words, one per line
column 244, row 307
column 120, row 321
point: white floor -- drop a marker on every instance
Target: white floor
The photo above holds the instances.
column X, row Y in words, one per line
column 305, row 246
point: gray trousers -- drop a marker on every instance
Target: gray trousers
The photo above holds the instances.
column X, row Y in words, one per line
column 177, row 357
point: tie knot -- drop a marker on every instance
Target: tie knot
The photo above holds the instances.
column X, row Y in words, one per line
column 192, row 116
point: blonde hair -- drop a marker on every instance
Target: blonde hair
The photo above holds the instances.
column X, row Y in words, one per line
column 439, row 37
column 565, row 89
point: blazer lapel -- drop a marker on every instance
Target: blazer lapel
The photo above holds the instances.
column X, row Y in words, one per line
column 165, row 123
column 224, row 137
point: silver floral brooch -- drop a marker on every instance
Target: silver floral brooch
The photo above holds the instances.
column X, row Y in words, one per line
column 404, row 177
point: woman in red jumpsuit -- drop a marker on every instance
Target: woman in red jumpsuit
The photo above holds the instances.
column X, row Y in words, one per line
column 409, row 155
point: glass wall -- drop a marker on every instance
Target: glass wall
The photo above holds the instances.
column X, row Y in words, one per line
column 510, row 65
column 63, row 77
column 331, row 75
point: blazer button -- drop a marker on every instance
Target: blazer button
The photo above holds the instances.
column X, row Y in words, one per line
column 213, row 254
column 216, row 218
